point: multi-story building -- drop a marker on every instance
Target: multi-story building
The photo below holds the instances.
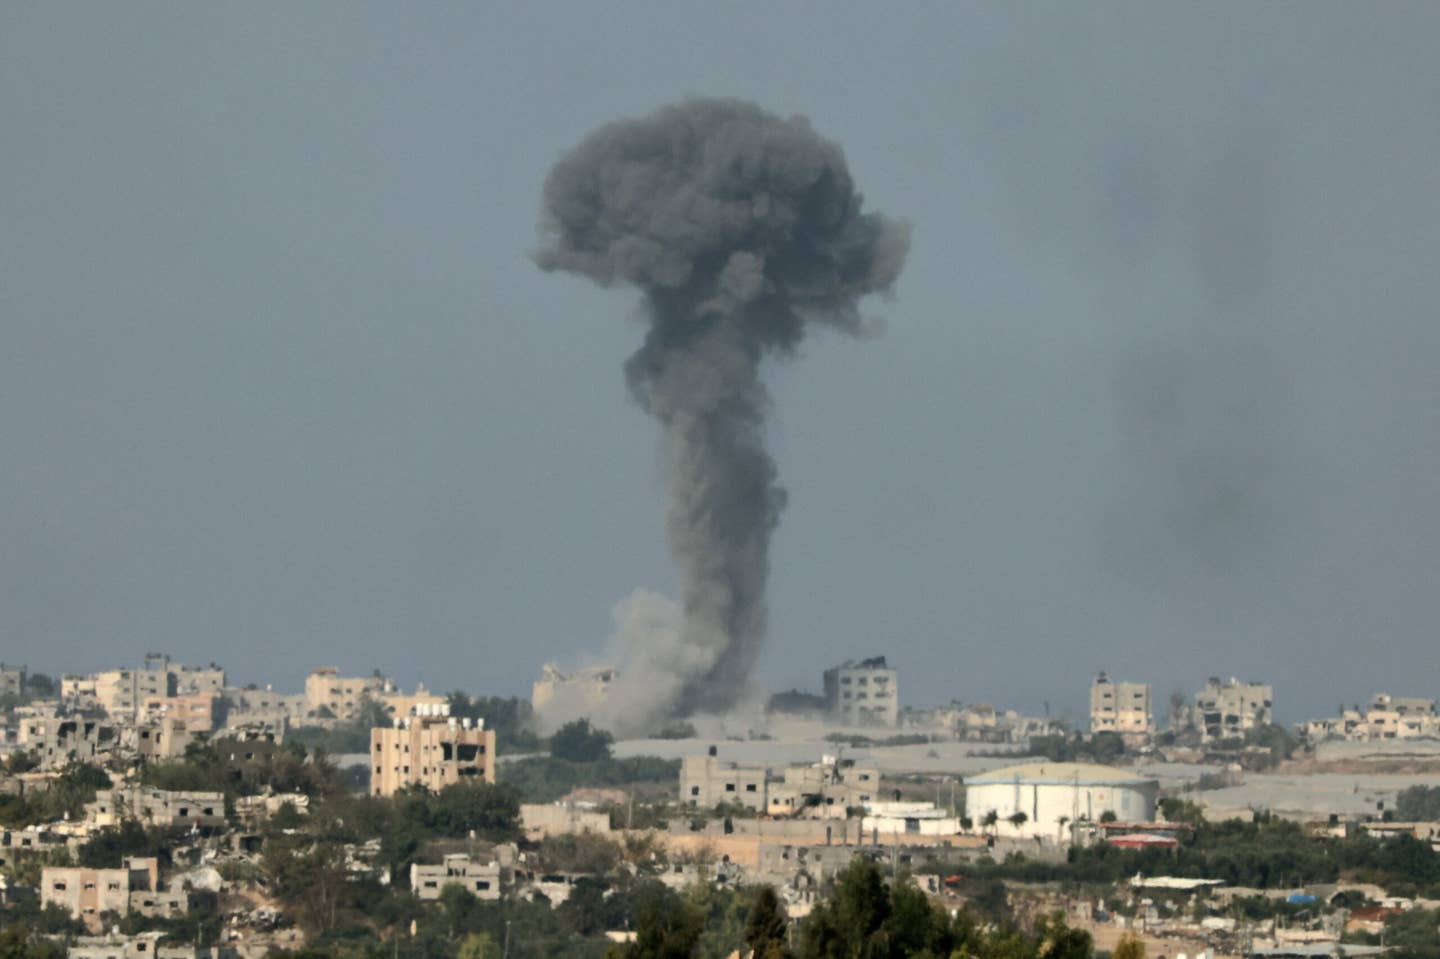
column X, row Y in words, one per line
column 397, row 703
column 480, row 879
column 197, row 710
column 156, row 807
column 432, row 749
column 79, row 692
column 539, row 820
column 12, row 680
column 56, row 740
column 1384, row 717
column 122, row 693
column 823, row 790
column 579, row 692
column 88, row 893
column 1123, row 708
column 1230, row 710
column 245, row 705
column 163, row 738
column 198, row 680
column 328, row 695
column 863, row 693
column 705, row 781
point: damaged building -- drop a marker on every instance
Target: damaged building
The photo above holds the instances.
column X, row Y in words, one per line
column 430, row 748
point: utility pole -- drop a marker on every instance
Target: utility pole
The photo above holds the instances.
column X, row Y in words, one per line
column 505, row 953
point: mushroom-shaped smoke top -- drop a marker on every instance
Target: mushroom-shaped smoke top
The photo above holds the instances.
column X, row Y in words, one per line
column 739, row 227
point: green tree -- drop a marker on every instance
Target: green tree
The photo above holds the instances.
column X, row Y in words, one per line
column 766, row 925
column 666, row 927
column 1418, row 804
column 579, row 742
column 1129, row 947
column 477, row 945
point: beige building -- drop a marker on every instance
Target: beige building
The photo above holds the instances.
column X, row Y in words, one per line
column 1384, row 717
column 328, row 695
column 431, row 749
column 706, row 782
column 1123, row 708
column 824, row 790
column 87, row 893
column 403, row 704
column 156, row 807
column 164, row 738
column 197, row 711
column 863, row 693
column 482, row 880
column 539, row 820
column 1230, row 710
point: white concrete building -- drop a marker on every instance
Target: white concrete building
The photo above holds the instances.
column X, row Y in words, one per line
column 1052, row 795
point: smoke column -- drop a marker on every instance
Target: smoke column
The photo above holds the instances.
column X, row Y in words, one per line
column 739, row 228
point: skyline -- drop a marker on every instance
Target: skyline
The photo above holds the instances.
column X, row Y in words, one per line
column 1155, row 395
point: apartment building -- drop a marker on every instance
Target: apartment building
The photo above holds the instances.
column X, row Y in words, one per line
column 706, row 781
column 863, row 693
column 197, row 711
column 88, row 893
column 1121, row 707
column 156, row 807
column 12, row 680
column 328, row 695
column 1231, row 709
column 57, row 740
column 432, row 749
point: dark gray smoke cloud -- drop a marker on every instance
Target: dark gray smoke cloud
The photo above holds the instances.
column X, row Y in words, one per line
column 740, row 228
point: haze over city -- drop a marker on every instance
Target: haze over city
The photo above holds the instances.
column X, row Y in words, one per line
column 1155, row 392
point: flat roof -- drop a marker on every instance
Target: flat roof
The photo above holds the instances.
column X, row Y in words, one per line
column 1045, row 773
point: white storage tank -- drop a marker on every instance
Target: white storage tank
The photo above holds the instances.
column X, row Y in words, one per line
column 1052, row 795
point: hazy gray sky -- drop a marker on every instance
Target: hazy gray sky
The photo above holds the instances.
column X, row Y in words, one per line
column 1158, row 393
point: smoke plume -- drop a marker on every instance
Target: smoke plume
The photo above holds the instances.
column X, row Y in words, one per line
column 739, row 228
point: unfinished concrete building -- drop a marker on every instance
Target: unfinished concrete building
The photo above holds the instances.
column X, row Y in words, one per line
column 1120, row 707
column 12, row 680
column 706, row 782
column 480, row 879
column 430, row 748
column 156, row 807
column 57, row 740
column 539, row 820
column 88, row 893
column 823, row 790
column 1229, row 710
column 198, row 711
column 863, row 693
